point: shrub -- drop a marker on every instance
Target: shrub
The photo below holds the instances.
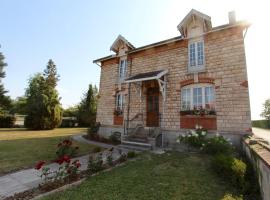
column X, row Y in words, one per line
column 131, row 154
column 122, row 157
column 194, row 138
column 96, row 149
column 93, row 129
column 7, row 121
column 109, row 159
column 238, row 170
column 261, row 123
column 115, row 138
column 231, row 197
column 231, row 168
column 217, row 145
column 66, row 148
column 95, row 164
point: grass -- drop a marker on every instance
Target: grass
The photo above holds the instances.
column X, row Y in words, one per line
column 168, row 176
column 21, row 148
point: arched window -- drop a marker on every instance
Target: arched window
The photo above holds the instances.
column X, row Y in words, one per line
column 198, row 96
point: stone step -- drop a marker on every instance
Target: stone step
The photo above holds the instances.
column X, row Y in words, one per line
column 137, row 139
column 134, row 145
column 133, row 148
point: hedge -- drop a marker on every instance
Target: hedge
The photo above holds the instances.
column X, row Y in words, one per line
column 261, row 123
column 7, row 121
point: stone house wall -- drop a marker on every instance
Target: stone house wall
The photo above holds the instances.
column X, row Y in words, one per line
column 224, row 64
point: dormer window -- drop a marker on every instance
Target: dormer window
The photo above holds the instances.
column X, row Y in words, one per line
column 196, row 55
column 122, row 69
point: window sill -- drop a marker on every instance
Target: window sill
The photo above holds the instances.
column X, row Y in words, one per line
column 196, row 69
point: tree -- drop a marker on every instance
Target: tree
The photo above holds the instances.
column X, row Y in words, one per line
column 19, row 106
column 5, row 101
column 43, row 104
column 88, row 107
column 266, row 109
column 71, row 111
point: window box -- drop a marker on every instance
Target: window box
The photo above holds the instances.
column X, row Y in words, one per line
column 118, row 119
column 201, row 112
column 208, row 122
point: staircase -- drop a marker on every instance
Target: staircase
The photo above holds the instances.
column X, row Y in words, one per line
column 136, row 139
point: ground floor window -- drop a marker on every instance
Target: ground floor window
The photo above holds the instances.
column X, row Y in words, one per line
column 199, row 96
column 119, row 102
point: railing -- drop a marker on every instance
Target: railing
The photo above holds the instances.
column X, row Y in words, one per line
column 128, row 123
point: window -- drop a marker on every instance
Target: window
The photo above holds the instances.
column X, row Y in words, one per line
column 186, row 101
column 196, row 56
column 198, row 96
column 119, row 101
column 122, row 69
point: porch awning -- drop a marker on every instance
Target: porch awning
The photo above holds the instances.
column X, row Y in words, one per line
column 146, row 76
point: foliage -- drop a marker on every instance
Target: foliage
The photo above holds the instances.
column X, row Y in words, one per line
column 68, row 122
column 200, row 112
column 7, row 121
column 109, row 159
column 261, row 123
column 93, row 129
column 71, row 111
column 171, row 175
column 231, row 168
column 43, row 104
column 266, row 109
column 97, row 149
column 194, row 138
column 95, row 164
column 231, row 197
column 131, row 154
column 19, row 106
column 65, row 148
column 114, row 138
column 88, row 107
column 5, row 101
column 67, row 169
column 118, row 112
column 217, row 145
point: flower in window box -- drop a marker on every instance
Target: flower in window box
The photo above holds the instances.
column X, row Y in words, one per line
column 118, row 112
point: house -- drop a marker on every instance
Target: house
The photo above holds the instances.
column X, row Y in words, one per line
column 166, row 88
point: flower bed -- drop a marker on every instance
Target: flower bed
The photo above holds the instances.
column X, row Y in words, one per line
column 69, row 172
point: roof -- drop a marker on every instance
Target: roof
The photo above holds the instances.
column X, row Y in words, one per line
column 120, row 39
column 174, row 39
column 207, row 19
column 146, row 76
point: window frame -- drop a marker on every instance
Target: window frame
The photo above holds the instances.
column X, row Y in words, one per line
column 197, row 67
column 122, row 70
column 191, row 88
column 119, row 101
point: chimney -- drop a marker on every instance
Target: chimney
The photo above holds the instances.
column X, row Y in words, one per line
column 232, row 18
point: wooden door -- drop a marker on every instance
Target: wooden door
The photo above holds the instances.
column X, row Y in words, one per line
column 152, row 108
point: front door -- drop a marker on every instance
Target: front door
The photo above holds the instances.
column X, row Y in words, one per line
column 152, row 109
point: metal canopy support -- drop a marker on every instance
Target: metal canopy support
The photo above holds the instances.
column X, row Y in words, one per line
column 162, row 88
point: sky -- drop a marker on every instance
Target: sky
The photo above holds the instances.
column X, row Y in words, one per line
column 74, row 33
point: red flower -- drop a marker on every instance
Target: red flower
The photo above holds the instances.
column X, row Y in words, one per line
column 60, row 161
column 66, row 159
column 39, row 165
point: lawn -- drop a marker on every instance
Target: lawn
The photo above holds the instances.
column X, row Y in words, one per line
column 168, row 176
column 21, row 148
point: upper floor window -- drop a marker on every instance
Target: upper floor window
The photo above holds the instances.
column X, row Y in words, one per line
column 198, row 96
column 122, row 69
column 196, row 55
